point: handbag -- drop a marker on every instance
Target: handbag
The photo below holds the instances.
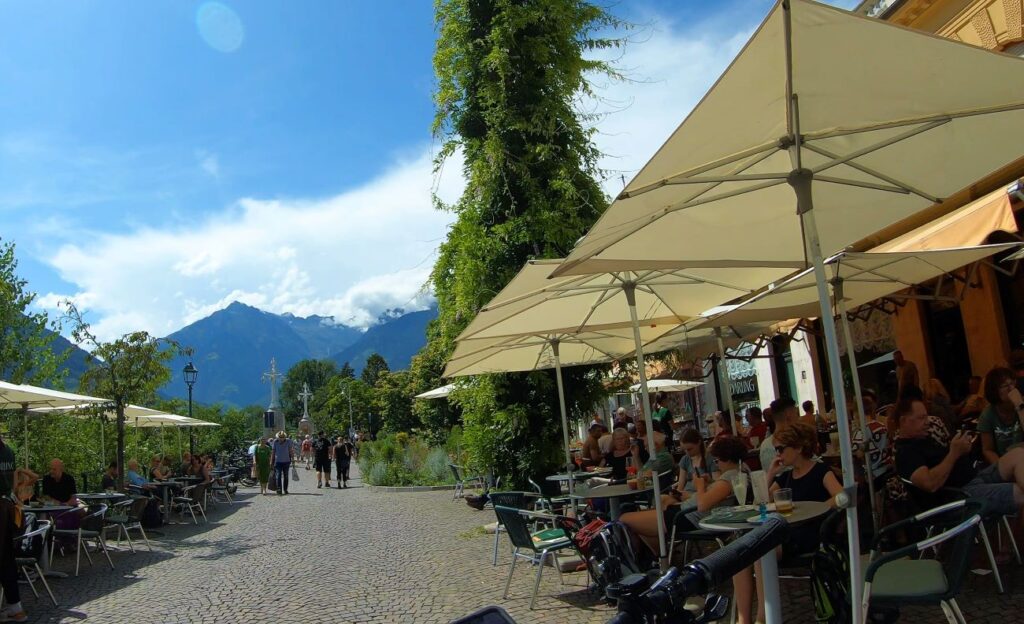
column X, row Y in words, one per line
column 295, row 473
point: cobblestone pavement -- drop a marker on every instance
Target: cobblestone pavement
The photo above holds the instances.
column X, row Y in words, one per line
column 360, row 556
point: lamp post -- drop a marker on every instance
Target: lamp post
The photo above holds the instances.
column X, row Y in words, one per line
column 351, row 422
column 190, row 373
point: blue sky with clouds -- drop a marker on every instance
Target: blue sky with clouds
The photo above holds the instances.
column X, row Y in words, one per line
column 161, row 159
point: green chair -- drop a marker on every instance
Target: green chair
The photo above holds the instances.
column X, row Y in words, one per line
column 895, row 579
column 126, row 516
column 461, row 482
column 90, row 528
column 534, row 547
column 514, row 500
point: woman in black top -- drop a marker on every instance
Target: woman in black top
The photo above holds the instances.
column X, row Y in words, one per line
column 622, row 451
column 343, row 458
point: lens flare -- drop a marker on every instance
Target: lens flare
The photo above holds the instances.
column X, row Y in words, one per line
column 220, row 27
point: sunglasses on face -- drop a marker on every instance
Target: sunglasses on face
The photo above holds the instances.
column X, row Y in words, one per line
column 779, row 449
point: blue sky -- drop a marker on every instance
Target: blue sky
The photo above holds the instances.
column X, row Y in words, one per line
column 160, row 159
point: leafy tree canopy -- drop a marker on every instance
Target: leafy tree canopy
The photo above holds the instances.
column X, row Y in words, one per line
column 26, row 353
column 314, row 373
column 375, row 365
column 509, row 74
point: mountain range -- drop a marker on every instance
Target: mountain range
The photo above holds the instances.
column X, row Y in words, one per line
column 232, row 349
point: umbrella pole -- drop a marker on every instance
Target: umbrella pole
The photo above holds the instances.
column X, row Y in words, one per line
column 865, row 433
column 24, row 416
column 800, row 180
column 565, row 418
column 103, row 443
column 723, row 380
column 630, row 291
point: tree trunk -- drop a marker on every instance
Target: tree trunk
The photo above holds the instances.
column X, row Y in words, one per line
column 120, row 447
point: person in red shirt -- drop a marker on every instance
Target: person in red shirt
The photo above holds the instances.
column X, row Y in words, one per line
column 758, row 428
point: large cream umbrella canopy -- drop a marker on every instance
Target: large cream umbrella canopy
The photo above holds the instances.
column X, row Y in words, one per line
column 534, row 304
column 24, row 397
column 548, row 349
column 827, row 127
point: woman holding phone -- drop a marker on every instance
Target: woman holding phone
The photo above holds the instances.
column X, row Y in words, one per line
column 1000, row 422
column 694, row 463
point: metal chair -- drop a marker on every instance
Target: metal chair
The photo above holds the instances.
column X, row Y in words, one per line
column 551, row 497
column 127, row 515
column 219, row 489
column 894, row 580
column 958, row 494
column 461, row 482
column 28, row 550
column 538, row 550
column 514, row 500
column 90, row 528
column 191, row 499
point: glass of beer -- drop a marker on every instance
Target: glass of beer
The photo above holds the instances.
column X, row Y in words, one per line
column 784, row 501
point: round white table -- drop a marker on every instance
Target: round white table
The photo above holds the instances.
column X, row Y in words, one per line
column 613, row 493
column 803, row 512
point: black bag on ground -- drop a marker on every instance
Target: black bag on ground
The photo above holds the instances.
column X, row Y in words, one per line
column 151, row 517
column 612, row 556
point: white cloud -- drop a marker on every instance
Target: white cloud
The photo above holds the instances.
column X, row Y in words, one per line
column 370, row 248
column 350, row 256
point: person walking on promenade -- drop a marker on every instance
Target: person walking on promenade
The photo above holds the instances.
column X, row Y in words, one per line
column 343, row 452
column 322, row 450
column 261, row 461
column 307, row 451
column 284, row 453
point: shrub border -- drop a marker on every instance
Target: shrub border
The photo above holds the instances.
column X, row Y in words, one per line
column 408, row 488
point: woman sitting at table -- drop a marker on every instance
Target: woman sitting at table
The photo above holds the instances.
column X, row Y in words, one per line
column 207, row 469
column 709, row 493
column 808, row 480
column 109, row 481
column 621, row 453
column 695, row 463
column 156, row 470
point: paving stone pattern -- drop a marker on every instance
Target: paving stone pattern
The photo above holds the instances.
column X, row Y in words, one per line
column 354, row 555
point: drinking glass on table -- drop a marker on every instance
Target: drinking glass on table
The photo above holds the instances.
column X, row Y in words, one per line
column 784, row 501
column 739, row 487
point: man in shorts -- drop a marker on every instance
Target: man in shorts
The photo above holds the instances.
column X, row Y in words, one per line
column 322, row 455
column 931, row 465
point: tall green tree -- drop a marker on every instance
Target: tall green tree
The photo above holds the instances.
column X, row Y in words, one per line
column 375, row 365
column 26, row 338
column 315, row 374
column 347, row 371
column 127, row 370
column 509, row 75
column 392, row 401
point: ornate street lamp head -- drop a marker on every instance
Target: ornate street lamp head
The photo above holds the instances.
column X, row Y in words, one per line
column 190, row 373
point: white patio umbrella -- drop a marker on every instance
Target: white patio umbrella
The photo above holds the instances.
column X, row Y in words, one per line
column 532, row 303
column 856, row 279
column 668, row 385
column 866, row 123
column 436, row 393
column 24, row 397
column 543, row 350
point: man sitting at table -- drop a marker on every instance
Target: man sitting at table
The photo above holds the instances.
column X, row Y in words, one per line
column 591, row 451
column 186, row 464
column 109, row 481
column 133, row 475
column 932, row 465
column 59, row 485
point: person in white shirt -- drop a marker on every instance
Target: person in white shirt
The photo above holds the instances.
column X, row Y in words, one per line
column 784, row 414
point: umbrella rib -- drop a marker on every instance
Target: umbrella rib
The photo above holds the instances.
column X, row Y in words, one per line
column 878, row 174
column 712, row 282
column 947, row 116
column 715, row 164
column 605, row 296
column 881, row 144
column 729, row 178
column 861, row 184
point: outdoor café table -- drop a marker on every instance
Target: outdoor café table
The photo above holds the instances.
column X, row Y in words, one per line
column 165, row 493
column 48, row 510
column 612, row 493
column 106, row 497
column 578, row 475
column 803, row 511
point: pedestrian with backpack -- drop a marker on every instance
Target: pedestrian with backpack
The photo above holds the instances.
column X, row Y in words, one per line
column 284, row 453
column 343, row 451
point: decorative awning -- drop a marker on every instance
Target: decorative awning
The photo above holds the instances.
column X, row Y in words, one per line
column 964, row 227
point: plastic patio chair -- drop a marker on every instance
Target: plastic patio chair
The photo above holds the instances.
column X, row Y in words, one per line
column 893, row 580
column 90, row 528
column 126, row 516
column 537, row 550
column 951, row 493
column 461, row 482
column 28, row 551
column 191, row 499
column 514, row 500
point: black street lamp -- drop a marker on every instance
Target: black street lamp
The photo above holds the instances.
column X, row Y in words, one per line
column 190, row 373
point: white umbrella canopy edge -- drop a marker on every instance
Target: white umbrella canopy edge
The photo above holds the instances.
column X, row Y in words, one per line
column 436, row 393
column 668, row 385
